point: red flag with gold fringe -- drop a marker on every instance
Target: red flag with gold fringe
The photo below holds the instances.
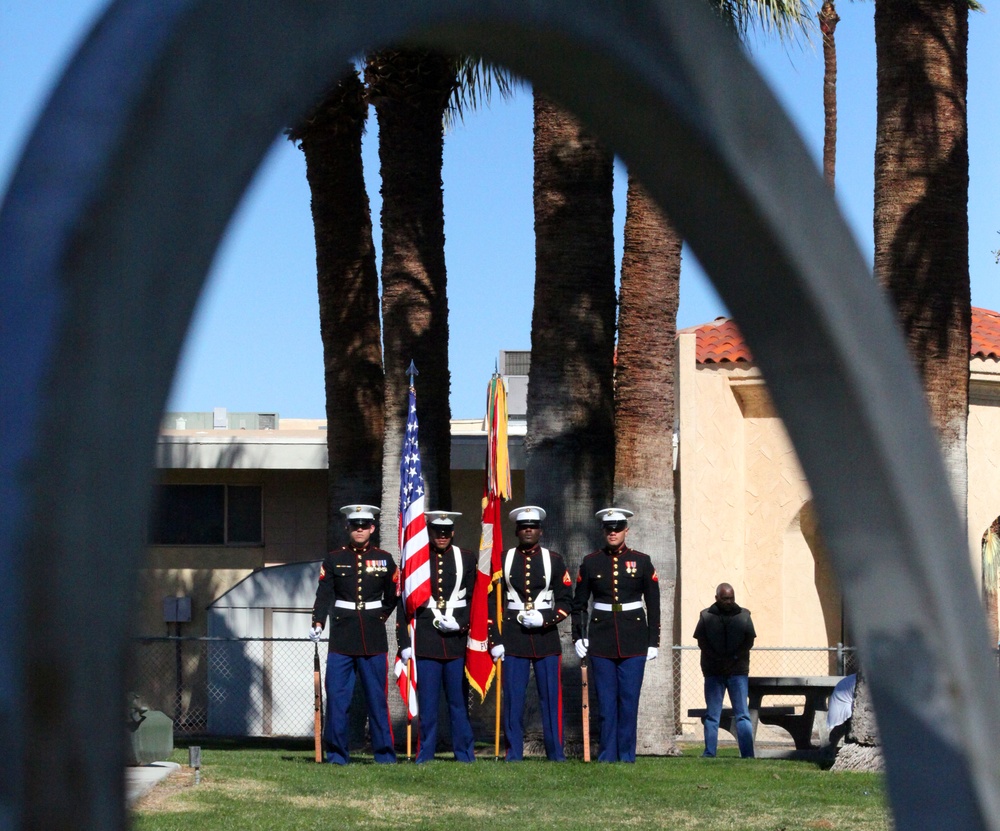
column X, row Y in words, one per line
column 479, row 667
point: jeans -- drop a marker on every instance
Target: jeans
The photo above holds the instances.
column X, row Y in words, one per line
column 715, row 687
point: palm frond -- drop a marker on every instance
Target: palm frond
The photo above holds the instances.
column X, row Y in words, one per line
column 476, row 81
column 785, row 19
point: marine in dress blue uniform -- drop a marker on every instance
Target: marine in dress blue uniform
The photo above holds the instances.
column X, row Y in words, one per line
column 536, row 598
column 357, row 591
column 623, row 632
column 441, row 630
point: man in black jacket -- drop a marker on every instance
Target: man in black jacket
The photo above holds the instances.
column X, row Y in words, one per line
column 725, row 635
column 438, row 646
column 357, row 590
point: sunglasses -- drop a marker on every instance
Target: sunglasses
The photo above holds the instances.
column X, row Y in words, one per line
column 360, row 523
column 615, row 527
column 442, row 532
column 525, row 526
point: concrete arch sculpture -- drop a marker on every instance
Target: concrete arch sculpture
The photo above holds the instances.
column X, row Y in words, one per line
column 113, row 217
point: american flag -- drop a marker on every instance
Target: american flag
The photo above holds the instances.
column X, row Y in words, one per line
column 414, row 550
column 406, row 681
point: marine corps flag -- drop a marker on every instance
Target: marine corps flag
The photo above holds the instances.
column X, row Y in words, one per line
column 478, row 663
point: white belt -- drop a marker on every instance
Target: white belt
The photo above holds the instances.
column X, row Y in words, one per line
column 458, row 604
column 350, row 604
column 517, row 604
column 618, row 607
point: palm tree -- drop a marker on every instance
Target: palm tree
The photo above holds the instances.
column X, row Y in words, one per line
column 570, row 440
column 828, row 20
column 644, row 428
column 410, row 89
column 644, row 386
column 921, row 222
column 417, row 94
column 569, row 445
column 330, row 138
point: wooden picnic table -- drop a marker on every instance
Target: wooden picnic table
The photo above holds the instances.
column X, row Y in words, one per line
column 814, row 689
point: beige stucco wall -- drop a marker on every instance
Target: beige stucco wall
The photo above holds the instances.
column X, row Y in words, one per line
column 746, row 515
column 742, row 499
column 294, row 511
column 984, row 453
column 746, row 518
column 712, row 489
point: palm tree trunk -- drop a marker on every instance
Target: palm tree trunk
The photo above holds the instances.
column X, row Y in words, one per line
column 828, row 20
column 921, row 215
column 347, row 283
column 644, row 429
column 921, row 203
column 410, row 89
column 570, row 440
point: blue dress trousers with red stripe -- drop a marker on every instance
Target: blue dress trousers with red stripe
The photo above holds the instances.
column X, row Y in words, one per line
column 440, row 656
column 357, row 591
column 538, row 648
column 618, row 639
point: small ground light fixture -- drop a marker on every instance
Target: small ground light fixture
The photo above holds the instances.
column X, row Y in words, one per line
column 194, row 761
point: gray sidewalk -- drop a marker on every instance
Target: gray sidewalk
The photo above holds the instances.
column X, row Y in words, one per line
column 140, row 779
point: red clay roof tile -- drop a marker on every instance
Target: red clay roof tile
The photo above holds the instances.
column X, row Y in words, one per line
column 985, row 333
column 720, row 341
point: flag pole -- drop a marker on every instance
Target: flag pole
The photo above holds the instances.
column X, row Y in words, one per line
column 585, row 685
column 413, row 547
column 496, row 730
column 409, row 692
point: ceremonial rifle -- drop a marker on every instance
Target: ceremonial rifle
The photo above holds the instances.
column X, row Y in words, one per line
column 585, row 689
column 317, row 705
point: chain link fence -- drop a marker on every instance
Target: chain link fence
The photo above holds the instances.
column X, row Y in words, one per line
column 228, row 686
column 249, row 687
column 263, row 687
column 764, row 660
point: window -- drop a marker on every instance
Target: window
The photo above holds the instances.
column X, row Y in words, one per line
column 207, row 515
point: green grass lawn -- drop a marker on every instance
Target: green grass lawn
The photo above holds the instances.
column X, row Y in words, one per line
column 284, row 789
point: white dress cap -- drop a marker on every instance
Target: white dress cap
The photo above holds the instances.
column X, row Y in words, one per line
column 529, row 513
column 614, row 515
column 360, row 512
column 441, row 517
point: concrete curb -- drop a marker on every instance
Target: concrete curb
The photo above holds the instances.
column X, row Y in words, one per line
column 141, row 779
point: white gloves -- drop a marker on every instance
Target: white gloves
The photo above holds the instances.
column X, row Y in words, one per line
column 315, row 633
column 447, row 623
column 531, row 619
column 581, row 647
column 651, row 653
column 406, row 654
column 497, row 652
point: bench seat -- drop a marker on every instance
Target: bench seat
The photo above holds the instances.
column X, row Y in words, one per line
column 727, row 721
column 701, row 712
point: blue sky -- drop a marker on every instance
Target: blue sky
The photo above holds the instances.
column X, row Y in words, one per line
column 254, row 343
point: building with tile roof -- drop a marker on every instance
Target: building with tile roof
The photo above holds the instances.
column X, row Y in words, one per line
column 746, row 512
